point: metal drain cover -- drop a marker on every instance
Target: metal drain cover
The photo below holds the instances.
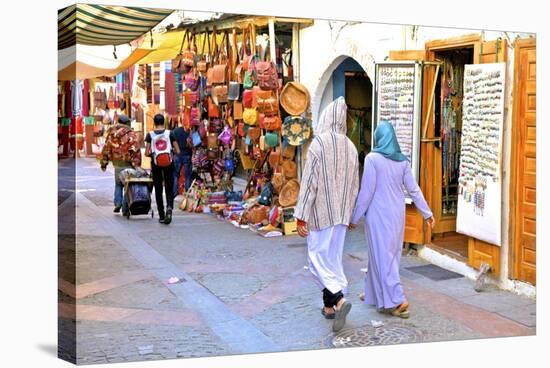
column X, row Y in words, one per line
column 368, row 336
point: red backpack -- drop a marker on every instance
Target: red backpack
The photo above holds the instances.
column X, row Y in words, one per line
column 162, row 148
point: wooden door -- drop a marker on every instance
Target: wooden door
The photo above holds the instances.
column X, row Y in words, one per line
column 523, row 188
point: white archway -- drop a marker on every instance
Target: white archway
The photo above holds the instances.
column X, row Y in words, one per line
column 366, row 61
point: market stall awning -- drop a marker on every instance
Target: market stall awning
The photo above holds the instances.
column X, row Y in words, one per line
column 88, row 24
column 82, row 70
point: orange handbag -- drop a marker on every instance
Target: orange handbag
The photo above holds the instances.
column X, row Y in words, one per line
column 237, row 110
column 272, row 123
column 213, row 110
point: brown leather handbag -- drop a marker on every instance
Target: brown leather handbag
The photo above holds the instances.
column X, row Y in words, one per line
column 185, row 59
column 212, row 140
column 202, row 64
column 272, row 122
column 266, row 72
column 237, row 110
column 188, row 58
column 220, row 94
column 275, row 157
column 219, row 74
column 269, row 106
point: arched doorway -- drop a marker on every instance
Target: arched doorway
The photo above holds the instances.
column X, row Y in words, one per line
column 347, row 78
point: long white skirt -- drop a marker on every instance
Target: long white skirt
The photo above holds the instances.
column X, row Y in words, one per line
column 324, row 253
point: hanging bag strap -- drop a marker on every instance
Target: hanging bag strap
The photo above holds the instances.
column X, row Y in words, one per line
column 195, row 42
column 204, row 43
column 214, row 46
column 182, row 42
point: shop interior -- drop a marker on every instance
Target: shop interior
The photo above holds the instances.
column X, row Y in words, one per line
column 359, row 100
column 448, row 127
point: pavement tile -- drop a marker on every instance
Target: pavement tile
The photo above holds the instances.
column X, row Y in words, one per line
column 526, row 315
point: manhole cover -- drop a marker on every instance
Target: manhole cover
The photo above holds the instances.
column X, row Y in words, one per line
column 369, row 336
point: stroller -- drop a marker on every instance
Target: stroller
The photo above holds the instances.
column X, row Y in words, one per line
column 138, row 186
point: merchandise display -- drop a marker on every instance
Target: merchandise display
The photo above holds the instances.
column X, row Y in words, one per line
column 396, row 103
column 223, row 87
column 480, row 181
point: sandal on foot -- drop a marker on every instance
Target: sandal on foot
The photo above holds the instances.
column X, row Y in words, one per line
column 327, row 315
column 340, row 316
column 401, row 311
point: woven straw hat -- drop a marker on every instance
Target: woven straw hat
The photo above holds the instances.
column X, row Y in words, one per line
column 289, row 194
column 289, row 169
column 278, row 181
column 295, row 98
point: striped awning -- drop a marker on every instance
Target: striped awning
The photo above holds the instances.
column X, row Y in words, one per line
column 88, row 24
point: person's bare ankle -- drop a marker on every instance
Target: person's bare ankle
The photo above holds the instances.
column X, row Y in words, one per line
column 340, row 303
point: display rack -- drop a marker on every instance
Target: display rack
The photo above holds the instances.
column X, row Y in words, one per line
column 397, row 99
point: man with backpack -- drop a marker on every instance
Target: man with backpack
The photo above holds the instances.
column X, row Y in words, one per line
column 122, row 149
column 159, row 146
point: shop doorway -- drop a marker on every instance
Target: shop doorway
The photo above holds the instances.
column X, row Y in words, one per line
column 448, row 128
column 358, row 94
column 348, row 79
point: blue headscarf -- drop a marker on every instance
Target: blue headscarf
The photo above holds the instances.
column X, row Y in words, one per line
column 385, row 142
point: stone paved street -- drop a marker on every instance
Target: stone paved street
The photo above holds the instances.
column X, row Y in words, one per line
column 240, row 293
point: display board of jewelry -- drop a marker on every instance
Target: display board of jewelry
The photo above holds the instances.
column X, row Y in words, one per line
column 397, row 98
column 480, row 179
column 396, row 102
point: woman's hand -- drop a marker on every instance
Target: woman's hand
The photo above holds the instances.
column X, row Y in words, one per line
column 302, row 228
column 431, row 222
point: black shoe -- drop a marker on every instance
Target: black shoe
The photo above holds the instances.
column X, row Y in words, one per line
column 161, row 216
column 168, row 218
column 340, row 316
column 117, row 209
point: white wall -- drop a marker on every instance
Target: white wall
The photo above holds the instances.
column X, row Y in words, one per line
column 325, row 44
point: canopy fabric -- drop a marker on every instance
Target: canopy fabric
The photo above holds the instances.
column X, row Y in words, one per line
column 89, row 24
column 166, row 46
column 81, row 70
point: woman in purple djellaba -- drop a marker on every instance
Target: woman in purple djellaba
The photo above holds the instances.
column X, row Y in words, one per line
column 382, row 201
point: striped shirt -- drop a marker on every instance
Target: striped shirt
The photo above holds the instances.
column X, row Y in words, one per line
column 330, row 181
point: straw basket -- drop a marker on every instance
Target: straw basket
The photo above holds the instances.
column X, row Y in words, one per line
column 289, row 193
column 295, row 98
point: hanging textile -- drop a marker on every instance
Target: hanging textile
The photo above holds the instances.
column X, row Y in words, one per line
column 76, row 97
column 156, row 83
column 68, row 105
column 131, row 73
column 119, row 78
column 162, row 83
column 178, row 79
column 86, row 98
column 149, row 84
column 170, row 94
